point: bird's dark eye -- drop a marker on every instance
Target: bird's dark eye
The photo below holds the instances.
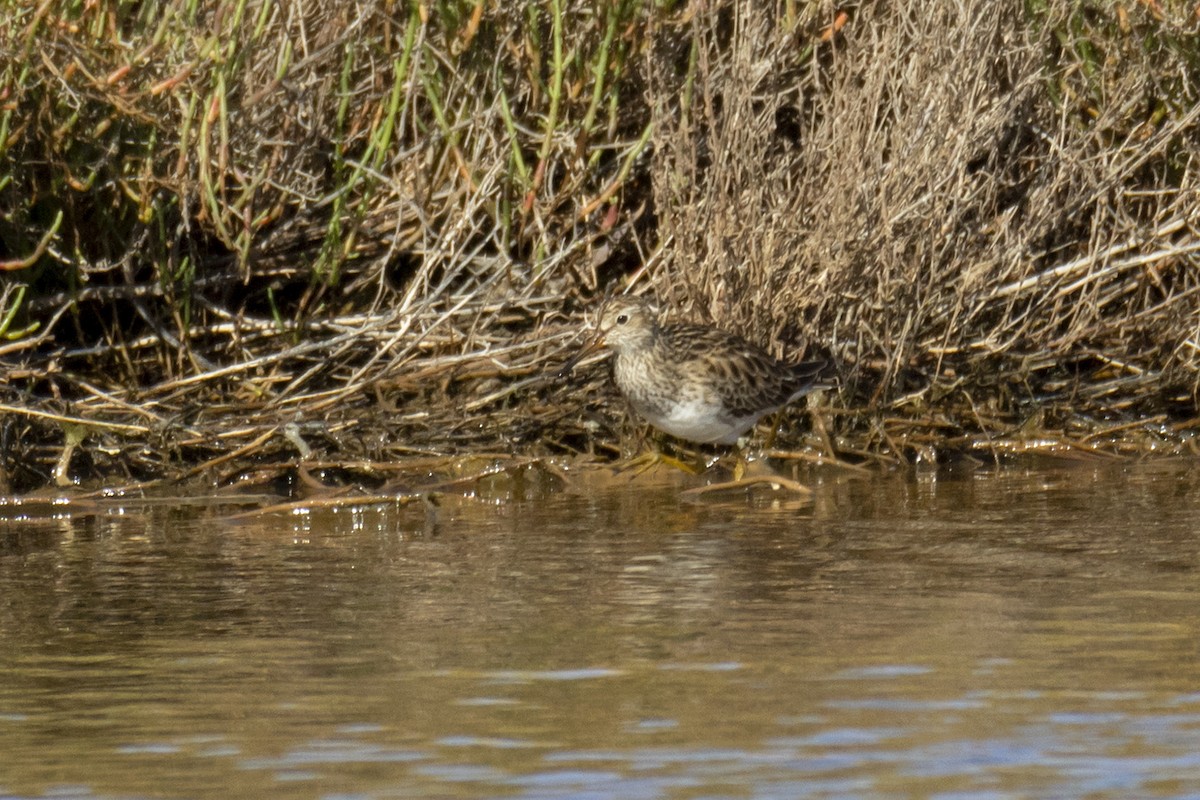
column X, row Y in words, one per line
column 622, row 319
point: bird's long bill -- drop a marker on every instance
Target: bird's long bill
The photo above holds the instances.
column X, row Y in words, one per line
column 595, row 344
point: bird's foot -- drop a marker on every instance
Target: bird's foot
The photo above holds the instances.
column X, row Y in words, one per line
column 653, row 458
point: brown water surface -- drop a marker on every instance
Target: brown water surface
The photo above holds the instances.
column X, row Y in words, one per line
column 1022, row 634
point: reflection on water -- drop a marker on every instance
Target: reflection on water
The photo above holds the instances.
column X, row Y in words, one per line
column 1022, row 634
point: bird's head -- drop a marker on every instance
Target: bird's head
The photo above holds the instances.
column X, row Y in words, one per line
column 626, row 323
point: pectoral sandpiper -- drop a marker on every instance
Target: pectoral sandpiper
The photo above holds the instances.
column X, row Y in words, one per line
column 696, row 382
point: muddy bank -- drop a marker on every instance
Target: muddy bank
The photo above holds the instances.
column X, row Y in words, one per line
column 240, row 235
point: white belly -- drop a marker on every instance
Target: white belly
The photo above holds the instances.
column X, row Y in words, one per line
column 697, row 422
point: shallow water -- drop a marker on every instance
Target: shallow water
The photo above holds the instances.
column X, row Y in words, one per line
column 1014, row 634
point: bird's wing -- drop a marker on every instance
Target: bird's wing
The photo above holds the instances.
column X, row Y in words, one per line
column 749, row 379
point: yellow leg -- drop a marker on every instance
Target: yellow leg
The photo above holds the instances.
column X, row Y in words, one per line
column 769, row 442
column 739, row 469
column 652, row 458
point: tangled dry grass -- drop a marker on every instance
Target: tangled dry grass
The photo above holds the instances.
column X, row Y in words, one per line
column 241, row 231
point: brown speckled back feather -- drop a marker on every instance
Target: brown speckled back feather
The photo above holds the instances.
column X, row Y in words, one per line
column 747, row 377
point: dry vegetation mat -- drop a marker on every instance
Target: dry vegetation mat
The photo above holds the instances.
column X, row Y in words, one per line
column 238, row 232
